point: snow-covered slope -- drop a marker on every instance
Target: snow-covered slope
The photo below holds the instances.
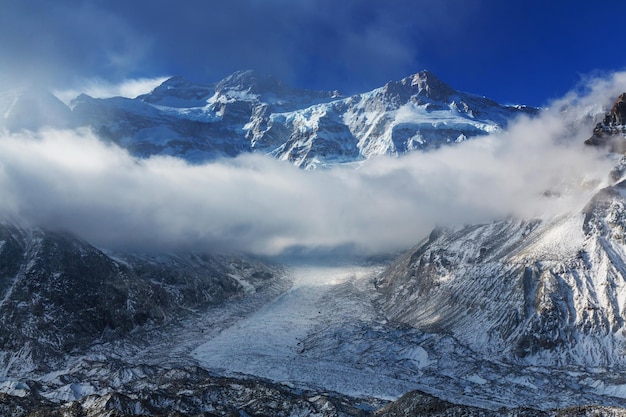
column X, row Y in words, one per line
column 247, row 112
column 548, row 291
column 416, row 113
column 194, row 121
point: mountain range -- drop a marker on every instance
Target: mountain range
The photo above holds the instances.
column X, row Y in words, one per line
column 250, row 112
column 519, row 316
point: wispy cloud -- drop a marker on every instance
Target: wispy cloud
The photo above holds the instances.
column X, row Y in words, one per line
column 320, row 43
column 73, row 181
column 55, row 43
column 99, row 88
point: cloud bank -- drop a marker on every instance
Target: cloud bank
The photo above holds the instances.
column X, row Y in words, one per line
column 71, row 180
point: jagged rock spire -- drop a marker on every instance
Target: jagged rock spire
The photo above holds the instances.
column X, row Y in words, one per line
column 611, row 132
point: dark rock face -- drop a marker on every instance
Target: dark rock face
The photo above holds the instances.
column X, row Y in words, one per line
column 611, row 131
column 192, row 391
column 617, row 115
column 420, row 404
column 59, row 294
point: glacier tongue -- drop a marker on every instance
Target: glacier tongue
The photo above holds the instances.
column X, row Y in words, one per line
column 292, row 339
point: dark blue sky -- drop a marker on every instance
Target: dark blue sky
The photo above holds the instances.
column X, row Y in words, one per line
column 514, row 51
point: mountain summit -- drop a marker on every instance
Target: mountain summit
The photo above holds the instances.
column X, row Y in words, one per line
column 426, row 84
column 252, row 112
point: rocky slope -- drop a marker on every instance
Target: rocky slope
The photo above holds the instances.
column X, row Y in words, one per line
column 548, row 292
column 59, row 295
column 420, row 404
column 249, row 112
column 188, row 391
column 192, row 391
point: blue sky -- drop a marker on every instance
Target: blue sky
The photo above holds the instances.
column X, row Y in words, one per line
column 516, row 51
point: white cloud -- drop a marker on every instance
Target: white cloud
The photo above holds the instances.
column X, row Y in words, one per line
column 99, row 88
column 71, row 180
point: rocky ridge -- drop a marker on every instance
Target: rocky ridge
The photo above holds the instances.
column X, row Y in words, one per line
column 192, row 391
column 611, row 131
column 420, row 404
column 249, row 112
column 189, row 391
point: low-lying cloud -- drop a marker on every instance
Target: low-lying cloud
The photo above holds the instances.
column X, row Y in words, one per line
column 71, row 180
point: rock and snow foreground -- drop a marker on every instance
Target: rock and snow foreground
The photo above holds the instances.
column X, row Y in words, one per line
column 316, row 347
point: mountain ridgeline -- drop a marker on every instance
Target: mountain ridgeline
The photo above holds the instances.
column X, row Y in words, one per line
column 249, row 112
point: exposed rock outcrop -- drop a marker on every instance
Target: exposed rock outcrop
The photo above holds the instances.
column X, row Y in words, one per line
column 611, row 132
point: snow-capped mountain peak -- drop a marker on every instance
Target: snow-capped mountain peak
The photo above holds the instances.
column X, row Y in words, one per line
column 180, row 93
column 252, row 112
column 253, row 82
column 427, row 84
